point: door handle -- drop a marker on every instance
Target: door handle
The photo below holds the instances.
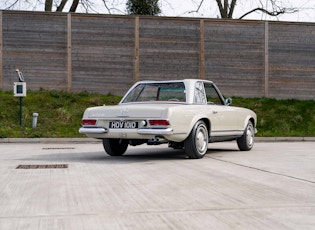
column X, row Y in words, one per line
column 214, row 112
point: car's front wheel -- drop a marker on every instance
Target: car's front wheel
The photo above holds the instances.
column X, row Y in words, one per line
column 196, row 145
column 115, row 147
column 246, row 142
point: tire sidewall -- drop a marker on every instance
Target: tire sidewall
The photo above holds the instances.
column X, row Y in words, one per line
column 243, row 142
column 190, row 145
column 115, row 147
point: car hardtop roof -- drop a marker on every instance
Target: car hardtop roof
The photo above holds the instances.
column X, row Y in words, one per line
column 189, row 85
column 170, row 81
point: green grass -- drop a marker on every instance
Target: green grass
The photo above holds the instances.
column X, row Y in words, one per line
column 282, row 117
column 60, row 114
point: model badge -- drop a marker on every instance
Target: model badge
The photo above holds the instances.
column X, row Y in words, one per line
column 123, row 113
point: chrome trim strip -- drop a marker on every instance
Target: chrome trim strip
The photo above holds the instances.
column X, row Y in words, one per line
column 226, row 131
column 96, row 130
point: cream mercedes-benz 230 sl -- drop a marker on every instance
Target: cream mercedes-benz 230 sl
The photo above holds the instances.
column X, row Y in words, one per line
column 187, row 114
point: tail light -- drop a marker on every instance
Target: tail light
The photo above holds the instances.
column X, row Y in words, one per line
column 86, row 122
column 159, row 122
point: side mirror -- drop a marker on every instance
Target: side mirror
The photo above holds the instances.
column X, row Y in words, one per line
column 228, row 101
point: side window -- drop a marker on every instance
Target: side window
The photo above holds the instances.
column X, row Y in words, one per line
column 212, row 95
column 134, row 94
column 199, row 95
column 149, row 93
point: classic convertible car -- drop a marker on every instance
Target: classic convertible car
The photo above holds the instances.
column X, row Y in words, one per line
column 187, row 114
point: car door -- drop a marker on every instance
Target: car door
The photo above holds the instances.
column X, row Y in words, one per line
column 223, row 118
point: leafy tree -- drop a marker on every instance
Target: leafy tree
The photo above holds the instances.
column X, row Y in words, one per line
column 143, row 7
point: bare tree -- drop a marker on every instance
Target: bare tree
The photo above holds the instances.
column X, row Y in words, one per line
column 227, row 7
column 276, row 10
column 53, row 5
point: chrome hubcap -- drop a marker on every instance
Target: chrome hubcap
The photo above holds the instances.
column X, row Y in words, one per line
column 202, row 140
column 250, row 135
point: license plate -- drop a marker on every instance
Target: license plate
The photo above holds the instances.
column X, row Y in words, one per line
column 123, row 125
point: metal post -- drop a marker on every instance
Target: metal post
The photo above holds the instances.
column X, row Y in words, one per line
column 266, row 59
column 34, row 122
column 21, row 99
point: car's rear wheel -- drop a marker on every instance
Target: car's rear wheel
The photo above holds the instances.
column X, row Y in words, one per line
column 115, row 147
column 246, row 142
column 196, row 145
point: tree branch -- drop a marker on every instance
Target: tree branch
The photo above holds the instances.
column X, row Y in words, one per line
column 273, row 13
column 232, row 6
column 107, row 7
column 220, row 7
column 61, row 6
column 226, row 7
column 196, row 11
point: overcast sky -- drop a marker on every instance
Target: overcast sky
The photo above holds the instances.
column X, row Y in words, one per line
column 188, row 8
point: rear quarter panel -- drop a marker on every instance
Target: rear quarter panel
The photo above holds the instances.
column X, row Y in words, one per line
column 183, row 118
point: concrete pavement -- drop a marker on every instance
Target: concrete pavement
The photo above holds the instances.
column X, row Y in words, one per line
column 154, row 187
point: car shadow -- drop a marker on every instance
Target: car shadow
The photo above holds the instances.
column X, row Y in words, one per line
column 100, row 157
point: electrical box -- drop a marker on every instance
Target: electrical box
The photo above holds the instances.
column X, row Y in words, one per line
column 19, row 89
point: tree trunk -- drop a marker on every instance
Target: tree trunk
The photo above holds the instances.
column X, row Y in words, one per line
column 48, row 5
column 74, row 6
column 61, row 6
column 232, row 6
column 226, row 9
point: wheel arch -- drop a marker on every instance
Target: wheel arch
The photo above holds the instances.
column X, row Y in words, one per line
column 196, row 144
column 204, row 119
column 208, row 124
column 251, row 119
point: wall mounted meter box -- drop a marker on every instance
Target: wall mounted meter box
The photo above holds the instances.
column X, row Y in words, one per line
column 19, row 89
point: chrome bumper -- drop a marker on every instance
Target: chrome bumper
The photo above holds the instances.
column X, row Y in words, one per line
column 97, row 130
column 156, row 131
column 101, row 130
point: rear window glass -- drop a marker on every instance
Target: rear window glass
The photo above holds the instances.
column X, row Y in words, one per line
column 174, row 91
